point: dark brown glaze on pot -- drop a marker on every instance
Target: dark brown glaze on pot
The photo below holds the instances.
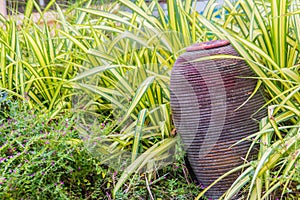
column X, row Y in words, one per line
column 205, row 96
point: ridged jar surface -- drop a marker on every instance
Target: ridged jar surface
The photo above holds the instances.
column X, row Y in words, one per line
column 205, row 97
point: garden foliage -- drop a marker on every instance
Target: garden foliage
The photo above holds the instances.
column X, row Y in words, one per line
column 110, row 66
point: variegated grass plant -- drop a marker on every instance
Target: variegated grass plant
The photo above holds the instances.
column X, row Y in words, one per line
column 114, row 61
column 34, row 63
column 135, row 45
column 266, row 34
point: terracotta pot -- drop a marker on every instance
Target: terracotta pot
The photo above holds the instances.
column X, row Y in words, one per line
column 205, row 97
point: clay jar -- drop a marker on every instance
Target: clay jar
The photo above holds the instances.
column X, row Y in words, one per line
column 205, row 100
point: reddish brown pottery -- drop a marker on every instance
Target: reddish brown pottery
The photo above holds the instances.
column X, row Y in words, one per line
column 205, row 97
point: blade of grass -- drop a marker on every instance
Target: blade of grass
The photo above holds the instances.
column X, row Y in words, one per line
column 138, row 134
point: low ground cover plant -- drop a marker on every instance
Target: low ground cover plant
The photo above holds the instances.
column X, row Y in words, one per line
column 44, row 158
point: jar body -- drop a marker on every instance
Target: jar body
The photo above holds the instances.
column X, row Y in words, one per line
column 206, row 102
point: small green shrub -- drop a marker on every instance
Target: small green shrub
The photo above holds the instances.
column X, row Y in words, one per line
column 44, row 158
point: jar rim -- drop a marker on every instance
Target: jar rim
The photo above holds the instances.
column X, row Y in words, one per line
column 207, row 45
